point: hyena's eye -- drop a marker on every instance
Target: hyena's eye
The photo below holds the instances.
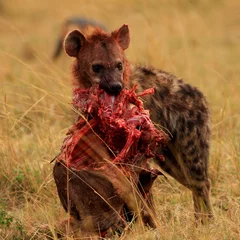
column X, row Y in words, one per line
column 119, row 66
column 97, row 68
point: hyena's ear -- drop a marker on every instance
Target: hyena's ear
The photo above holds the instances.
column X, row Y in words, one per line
column 73, row 42
column 122, row 36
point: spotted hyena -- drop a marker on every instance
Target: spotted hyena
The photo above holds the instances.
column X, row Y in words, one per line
column 176, row 106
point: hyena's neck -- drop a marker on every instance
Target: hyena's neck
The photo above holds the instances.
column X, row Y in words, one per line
column 148, row 77
column 80, row 77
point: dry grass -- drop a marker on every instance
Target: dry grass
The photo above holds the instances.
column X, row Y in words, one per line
column 195, row 40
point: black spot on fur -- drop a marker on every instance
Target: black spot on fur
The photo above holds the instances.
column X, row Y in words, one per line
column 190, row 113
column 200, row 120
column 189, row 144
column 165, row 91
column 203, row 144
column 104, row 45
column 163, row 94
column 190, row 125
column 187, row 91
column 147, row 72
column 192, row 151
column 184, row 155
column 196, row 160
column 196, row 168
column 182, row 125
column 198, row 132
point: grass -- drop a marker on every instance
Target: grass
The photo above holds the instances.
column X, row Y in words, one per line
column 195, row 40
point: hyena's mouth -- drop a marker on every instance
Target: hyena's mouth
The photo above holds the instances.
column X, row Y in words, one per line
column 112, row 88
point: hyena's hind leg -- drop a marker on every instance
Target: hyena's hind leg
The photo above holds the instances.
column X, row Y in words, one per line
column 199, row 184
column 201, row 198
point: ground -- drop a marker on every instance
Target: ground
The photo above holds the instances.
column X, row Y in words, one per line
column 195, row 40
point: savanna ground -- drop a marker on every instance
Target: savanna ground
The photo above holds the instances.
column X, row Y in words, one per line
column 196, row 40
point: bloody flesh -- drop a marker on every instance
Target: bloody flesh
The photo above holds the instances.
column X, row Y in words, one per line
column 110, row 128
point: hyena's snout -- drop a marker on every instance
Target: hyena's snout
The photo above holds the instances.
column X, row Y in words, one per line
column 115, row 87
column 112, row 87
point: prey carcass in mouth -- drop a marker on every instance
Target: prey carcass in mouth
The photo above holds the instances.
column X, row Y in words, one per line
column 103, row 166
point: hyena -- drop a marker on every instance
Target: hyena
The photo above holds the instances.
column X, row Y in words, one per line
column 100, row 59
column 86, row 26
column 176, row 106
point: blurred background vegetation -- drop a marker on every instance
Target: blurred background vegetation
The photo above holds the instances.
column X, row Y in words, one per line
column 195, row 40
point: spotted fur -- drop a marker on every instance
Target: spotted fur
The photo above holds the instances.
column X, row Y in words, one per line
column 182, row 110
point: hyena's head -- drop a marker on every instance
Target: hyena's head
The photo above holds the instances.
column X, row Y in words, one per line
column 100, row 58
